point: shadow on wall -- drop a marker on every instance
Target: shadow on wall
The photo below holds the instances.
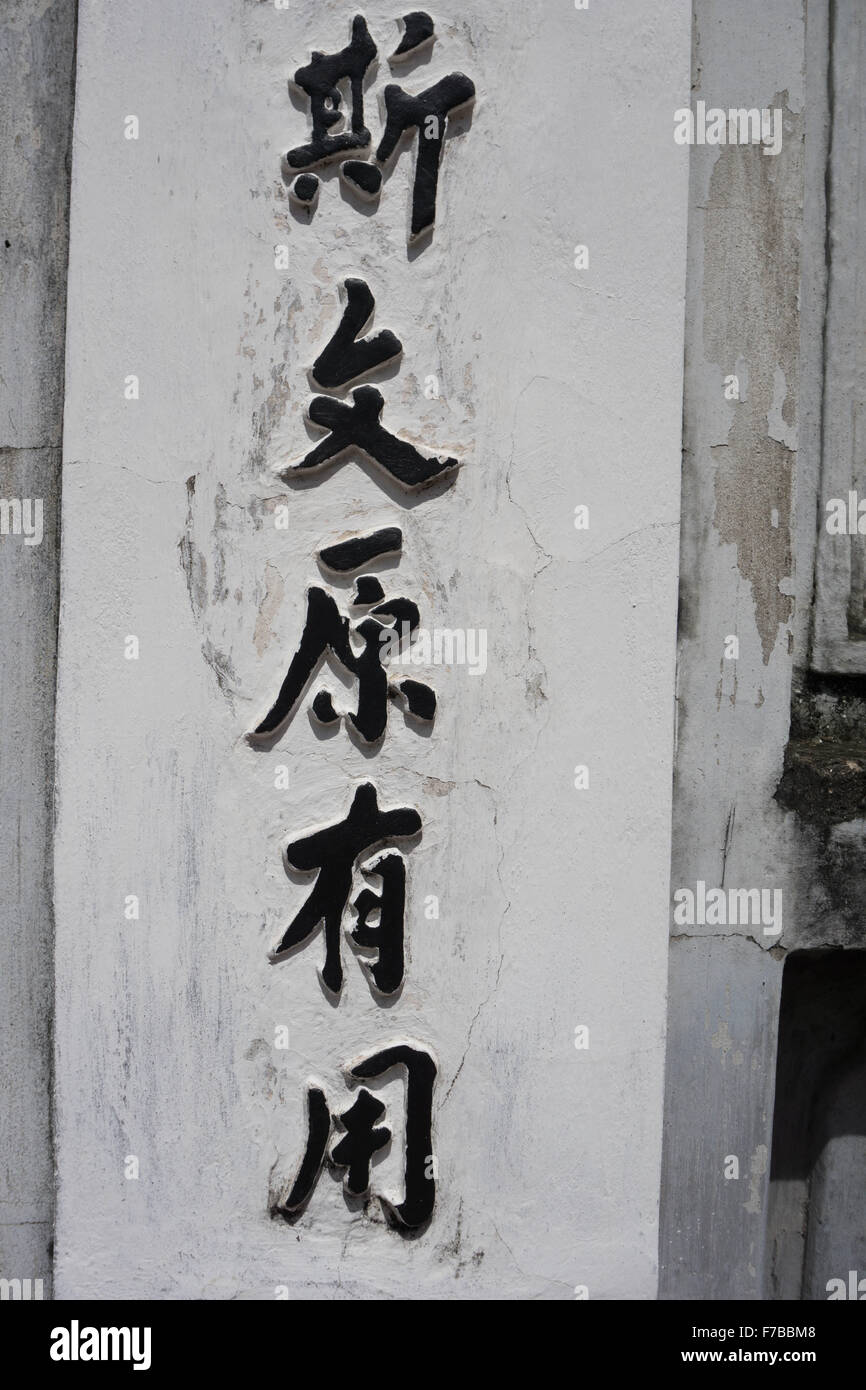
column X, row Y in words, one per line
column 816, row 1234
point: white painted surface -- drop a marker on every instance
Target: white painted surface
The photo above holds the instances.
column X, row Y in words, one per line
column 559, row 387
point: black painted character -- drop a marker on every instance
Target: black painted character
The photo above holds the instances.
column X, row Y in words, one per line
column 428, row 112
column 334, row 853
column 347, row 357
column 363, row 1137
column 356, row 428
column 319, row 81
column 386, row 624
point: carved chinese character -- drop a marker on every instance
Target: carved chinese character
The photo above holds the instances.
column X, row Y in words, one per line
column 355, row 429
column 428, row 112
column 328, row 632
column 345, row 359
column 319, row 81
column 363, row 1137
column 333, row 853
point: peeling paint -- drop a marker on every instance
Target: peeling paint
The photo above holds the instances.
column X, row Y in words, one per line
column 751, row 280
column 268, row 608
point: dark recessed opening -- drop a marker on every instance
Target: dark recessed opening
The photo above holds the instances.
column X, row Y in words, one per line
column 816, row 1230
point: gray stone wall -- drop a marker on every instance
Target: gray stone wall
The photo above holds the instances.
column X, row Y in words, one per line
column 37, row 56
column 763, row 1167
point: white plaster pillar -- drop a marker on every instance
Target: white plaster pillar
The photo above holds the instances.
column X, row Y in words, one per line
column 559, row 387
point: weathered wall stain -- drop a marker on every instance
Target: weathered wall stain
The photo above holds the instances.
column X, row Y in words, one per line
column 268, row 608
column 751, row 278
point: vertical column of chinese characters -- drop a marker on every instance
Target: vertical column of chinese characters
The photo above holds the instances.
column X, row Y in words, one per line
column 360, row 859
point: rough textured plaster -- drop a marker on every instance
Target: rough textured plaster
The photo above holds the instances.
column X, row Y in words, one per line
column 556, row 388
